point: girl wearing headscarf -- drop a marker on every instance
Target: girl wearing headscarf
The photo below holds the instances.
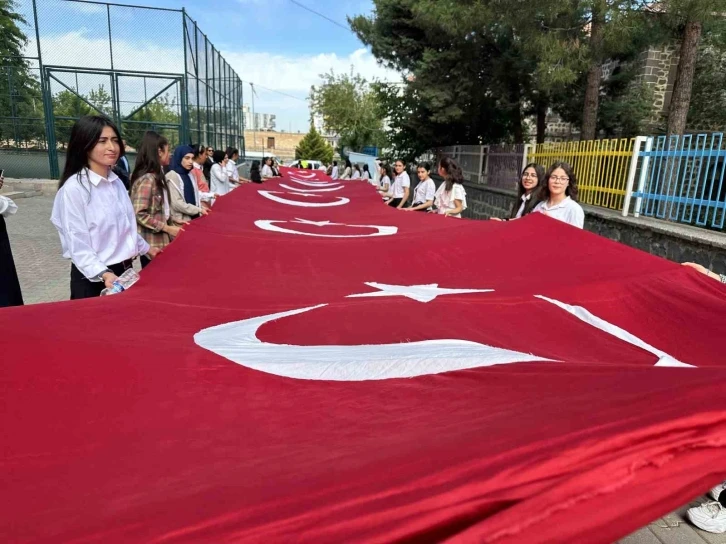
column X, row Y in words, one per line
column 184, row 202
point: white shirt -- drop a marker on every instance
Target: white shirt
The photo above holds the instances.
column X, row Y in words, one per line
column 220, row 183
column 334, row 173
column 356, row 174
column 232, row 170
column 425, row 191
column 446, row 201
column 322, row 168
column 401, row 182
column 366, row 174
column 567, row 211
column 267, row 172
column 96, row 223
column 7, row 206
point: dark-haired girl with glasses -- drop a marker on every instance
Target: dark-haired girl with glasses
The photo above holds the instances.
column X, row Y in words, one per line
column 92, row 210
column 559, row 196
column 529, row 192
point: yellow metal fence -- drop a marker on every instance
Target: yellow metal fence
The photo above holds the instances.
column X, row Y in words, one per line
column 601, row 167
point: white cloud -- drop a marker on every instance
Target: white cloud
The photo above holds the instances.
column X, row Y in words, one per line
column 291, row 74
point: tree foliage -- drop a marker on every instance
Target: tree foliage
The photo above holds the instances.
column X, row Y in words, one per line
column 350, row 108
column 314, row 147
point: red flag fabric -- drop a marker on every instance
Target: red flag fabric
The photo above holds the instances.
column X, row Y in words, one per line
column 307, row 364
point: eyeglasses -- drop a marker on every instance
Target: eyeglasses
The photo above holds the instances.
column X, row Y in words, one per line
column 563, row 179
column 529, row 175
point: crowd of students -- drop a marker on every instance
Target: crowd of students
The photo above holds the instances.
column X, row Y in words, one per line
column 104, row 224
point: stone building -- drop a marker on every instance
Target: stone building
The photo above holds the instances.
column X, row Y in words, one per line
column 656, row 68
column 280, row 144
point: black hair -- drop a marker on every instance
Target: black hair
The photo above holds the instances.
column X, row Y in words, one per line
column 231, row 151
column 571, row 190
column 218, row 156
column 147, row 160
column 425, row 165
column 255, row 172
column 199, row 150
column 453, row 172
column 536, row 195
column 387, row 169
column 85, row 134
column 335, row 163
column 365, row 168
column 347, row 164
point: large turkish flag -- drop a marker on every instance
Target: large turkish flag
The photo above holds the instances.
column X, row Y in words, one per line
column 307, row 364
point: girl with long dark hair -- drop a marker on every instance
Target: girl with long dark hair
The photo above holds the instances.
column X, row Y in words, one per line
column 366, row 174
column 356, row 172
column 267, row 168
column 232, row 156
column 348, row 170
column 184, row 199
column 255, row 175
column 559, row 196
column 92, row 210
column 401, row 185
column 529, row 192
column 450, row 198
column 205, row 195
column 150, row 193
column 220, row 183
column 385, row 184
column 425, row 191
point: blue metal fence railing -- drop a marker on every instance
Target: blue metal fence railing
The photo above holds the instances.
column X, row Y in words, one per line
column 681, row 178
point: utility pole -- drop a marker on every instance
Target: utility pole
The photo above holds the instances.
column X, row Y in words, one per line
column 254, row 117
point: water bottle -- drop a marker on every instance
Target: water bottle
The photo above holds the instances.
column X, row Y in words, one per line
column 123, row 282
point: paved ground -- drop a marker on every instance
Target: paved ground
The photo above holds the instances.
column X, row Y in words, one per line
column 44, row 277
column 44, row 274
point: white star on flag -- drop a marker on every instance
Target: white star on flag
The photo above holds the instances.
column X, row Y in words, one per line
column 421, row 293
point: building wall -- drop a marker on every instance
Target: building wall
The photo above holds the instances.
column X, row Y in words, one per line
column 283, row 143
column 658, row 67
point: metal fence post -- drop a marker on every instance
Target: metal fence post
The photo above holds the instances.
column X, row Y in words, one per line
column 184, row 136
column 525, row 155
column 643, row 175
column 631, row 173
column 483, row 166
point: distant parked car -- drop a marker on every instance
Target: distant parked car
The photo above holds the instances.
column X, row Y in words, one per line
column 316, row 164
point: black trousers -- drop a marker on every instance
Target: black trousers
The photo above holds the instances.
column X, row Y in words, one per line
column 10, row 294
column 144, row 261
column 82, row 287
column 394, row 202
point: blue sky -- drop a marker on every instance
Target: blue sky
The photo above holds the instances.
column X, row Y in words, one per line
column 273, row 43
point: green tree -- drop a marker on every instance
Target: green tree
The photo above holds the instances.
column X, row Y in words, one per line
column 707, row 110
column 350, row 108
column 314, row 147
column 688, row 18
column 161, row 111
column 21, row 105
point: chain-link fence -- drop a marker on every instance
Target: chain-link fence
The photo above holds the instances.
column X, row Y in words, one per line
column 71, row 58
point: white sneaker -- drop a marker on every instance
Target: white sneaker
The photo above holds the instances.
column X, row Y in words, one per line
column 716, row 491
column 710, row 516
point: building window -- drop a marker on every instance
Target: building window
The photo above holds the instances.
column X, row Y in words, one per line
column 270, row 143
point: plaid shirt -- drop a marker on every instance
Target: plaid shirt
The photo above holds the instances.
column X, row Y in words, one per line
column 148, row 202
